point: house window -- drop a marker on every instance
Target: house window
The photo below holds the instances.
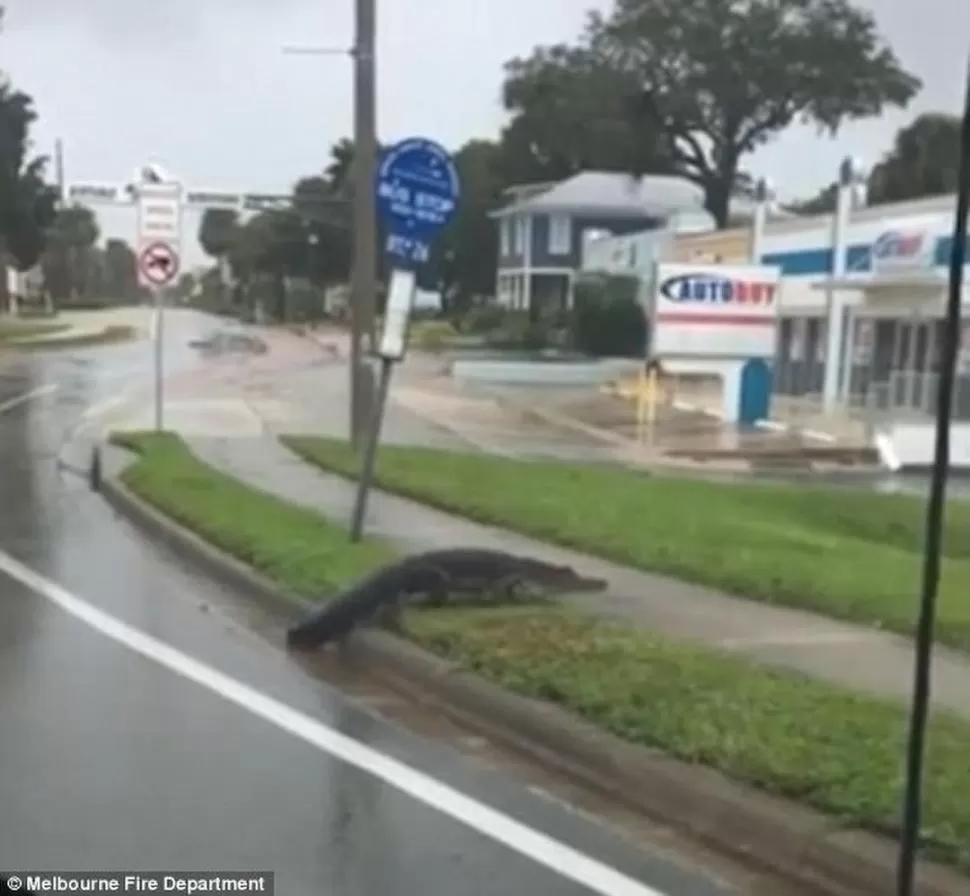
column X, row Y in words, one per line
column 560, row 235
column 505, row 235
column 519, row 236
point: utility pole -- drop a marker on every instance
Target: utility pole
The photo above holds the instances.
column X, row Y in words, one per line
column 364, row 283
column 363, row 288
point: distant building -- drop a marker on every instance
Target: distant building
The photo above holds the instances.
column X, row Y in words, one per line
column 24, row 287
column 542, row 231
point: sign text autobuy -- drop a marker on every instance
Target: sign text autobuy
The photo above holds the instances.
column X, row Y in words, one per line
column 717, row 291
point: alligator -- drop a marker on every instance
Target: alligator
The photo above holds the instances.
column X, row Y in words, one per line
column 484, row 574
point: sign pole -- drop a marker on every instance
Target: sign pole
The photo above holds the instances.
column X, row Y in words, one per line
column 159, row 359
column 159, row 243
column 364, row 276
column 393, row 345
column 370, row 451
column 417, row 189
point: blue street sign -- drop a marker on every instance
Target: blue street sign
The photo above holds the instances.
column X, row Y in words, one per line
column 417, row 192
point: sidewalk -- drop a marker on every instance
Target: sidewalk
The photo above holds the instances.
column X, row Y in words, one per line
column 858, row 658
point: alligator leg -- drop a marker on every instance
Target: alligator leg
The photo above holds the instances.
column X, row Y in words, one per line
column 508, row 589
column 438, row 588
column 389, row 614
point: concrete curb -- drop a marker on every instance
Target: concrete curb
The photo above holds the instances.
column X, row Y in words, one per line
column 803, row 846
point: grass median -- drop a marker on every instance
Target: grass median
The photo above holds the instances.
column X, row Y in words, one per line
column 14, row 329
column 844, row 553
column 806, row 740
column 784, row 733
column 110, row 335
column 301, row 550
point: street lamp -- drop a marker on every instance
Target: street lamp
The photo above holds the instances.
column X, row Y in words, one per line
column 364, row 279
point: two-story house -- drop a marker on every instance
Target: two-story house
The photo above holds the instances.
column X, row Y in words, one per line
column 542, row 229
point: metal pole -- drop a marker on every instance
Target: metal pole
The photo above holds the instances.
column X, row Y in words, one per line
column 364, row 288
column 370, row 452
column 906, row 870
column 59, row 171
column 834, row 298
column 159, row 355
column 763, row 193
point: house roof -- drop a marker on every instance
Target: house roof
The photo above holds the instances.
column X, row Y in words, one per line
column 611, row 194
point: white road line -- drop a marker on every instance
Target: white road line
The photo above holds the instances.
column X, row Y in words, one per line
column 558, row 857
column 39, row 392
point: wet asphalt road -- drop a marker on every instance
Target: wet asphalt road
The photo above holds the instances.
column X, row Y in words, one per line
column 109, row 760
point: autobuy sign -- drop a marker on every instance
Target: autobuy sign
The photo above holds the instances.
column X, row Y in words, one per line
column 704, row 290
column 715, row 310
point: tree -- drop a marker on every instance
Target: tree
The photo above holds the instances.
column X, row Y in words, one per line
column 821, row 203
column 69, row 260
column 119, row 271
column 339, row 172
column 464, row 257
column 27, row 203
column 574, row 110
column 924, row 161
column 217, row 231
column 323, row 204
column 723, row 77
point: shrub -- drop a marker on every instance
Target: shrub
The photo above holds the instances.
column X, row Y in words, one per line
column 519, row 331
column 432, row 335
column 483, row 319
column 607, row 318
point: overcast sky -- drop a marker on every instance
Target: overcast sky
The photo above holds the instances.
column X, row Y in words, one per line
column 202, row 86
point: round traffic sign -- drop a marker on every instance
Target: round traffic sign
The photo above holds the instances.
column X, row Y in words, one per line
column 417, row 188
column 158, row 263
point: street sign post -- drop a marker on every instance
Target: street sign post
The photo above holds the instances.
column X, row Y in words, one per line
column 158, row 251
column 417, row 191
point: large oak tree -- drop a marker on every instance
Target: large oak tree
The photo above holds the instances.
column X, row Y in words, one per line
column 712, row 80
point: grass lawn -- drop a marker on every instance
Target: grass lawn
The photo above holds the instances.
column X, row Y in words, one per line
column 841, row 552
column 14, row 329
column 784, row 733
column 299, row 549
column 108, row 336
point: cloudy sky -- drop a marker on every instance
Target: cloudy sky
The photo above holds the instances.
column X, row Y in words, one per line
column 203, row 87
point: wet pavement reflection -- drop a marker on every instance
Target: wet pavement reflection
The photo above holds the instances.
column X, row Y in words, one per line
column 116, row 763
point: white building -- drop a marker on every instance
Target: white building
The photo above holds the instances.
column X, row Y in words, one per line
column 893, row 296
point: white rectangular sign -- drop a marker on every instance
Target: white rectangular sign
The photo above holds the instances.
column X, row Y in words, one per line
column 714, row 311
column 397, row 314
column 160, row 214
